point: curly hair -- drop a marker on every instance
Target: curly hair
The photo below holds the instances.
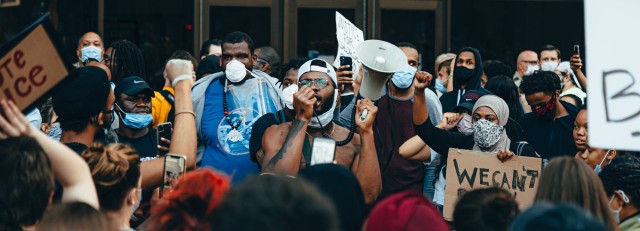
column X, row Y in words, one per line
column 540, row 81
column 116, row 170
column 623, row 173
column 193, row 199
column 485, row 209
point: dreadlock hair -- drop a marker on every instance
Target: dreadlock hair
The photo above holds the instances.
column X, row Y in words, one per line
column 623, row 173
column 126, row 60
column 540, row 81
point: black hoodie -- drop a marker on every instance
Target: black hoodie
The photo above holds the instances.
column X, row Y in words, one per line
column 450, row 99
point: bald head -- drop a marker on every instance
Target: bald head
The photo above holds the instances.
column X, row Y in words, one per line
column 89, row 39
column 525, row 59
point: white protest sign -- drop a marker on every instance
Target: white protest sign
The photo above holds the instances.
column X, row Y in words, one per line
column 468, row 170
column 349, row 36
column 613, row 73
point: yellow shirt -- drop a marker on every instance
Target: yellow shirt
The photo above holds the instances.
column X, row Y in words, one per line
column 160, row 107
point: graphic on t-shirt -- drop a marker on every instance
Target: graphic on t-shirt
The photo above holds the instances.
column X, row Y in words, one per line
column 246, row 103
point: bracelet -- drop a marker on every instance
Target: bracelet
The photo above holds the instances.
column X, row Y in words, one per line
column 180, row 78
column 183, row 112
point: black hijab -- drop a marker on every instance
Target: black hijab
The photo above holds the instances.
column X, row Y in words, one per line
column 342, row 187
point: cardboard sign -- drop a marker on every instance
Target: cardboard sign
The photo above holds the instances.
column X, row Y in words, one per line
column 468, row 170
column 349, row 36
column 613, row 74
column 31, row 64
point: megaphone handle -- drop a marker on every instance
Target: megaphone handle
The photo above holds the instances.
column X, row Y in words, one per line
column 364, row 114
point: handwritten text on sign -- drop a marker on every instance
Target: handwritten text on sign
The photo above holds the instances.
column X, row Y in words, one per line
column 468, row 170
column 30, row 69
column 613, row 74
column 349, row 36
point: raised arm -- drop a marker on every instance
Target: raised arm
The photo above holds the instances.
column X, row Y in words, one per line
column 69, row 168
column 576, row 66
column 420, row 111
column 283, row 151
column 366, row 167
column 183, row 140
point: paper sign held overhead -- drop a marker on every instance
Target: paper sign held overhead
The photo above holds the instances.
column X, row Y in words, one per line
column 349, row 36
column 613, row 74
column 468, row 170
column 31, row 64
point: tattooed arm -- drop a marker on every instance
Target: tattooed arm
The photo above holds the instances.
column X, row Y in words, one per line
column 282, row 145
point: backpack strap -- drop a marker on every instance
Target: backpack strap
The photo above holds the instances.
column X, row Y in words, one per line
column 171, row 99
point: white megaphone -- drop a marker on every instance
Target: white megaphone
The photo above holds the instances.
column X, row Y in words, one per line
column 380, row 59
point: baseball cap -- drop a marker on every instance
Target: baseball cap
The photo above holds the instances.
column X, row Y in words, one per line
column 82, row 95
column 470, row 98
column 132, row 85
column 406, row 210
column 318, row 65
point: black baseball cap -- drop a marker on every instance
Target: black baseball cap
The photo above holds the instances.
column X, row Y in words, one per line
column 470, row 98
column 132, row 85
column 82, row 95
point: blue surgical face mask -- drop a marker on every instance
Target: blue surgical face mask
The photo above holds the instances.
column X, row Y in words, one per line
column 598, row 168
column 91, row 52
column 136, row 120
column 440, row 86
column 404, row 78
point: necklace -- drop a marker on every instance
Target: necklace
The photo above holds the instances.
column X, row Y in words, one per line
column 325, row 134
column 234, row 135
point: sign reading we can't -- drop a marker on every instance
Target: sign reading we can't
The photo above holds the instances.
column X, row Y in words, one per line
column 468, row 170
column 30, row 65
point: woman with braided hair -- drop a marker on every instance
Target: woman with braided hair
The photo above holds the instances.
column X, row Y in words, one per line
column 621, row 180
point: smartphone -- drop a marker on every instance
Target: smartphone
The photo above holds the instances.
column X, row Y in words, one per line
column 576, row 50
column 164, row 131
column 174, row 166
column 323, row 151
column 346, row 60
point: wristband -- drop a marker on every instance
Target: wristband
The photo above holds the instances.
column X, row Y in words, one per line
column 183, row 112
column 180, row 78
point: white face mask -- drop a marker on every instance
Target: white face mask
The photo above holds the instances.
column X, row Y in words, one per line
column 598, row 168
column 531, row 69
column 549, row 65
column 91, row 52
column 235, row 71
column 464, row 126
column 287, row 95
column 616, row 213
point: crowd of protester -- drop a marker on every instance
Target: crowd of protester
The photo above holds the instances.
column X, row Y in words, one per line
column 91, row 157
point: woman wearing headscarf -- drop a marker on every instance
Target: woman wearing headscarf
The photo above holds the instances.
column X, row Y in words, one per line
column 467, row 75
column 489, row 116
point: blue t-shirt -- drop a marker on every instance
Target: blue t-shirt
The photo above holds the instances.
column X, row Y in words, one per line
column 227, row 149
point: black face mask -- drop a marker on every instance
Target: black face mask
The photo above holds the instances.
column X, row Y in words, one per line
column 462, row 74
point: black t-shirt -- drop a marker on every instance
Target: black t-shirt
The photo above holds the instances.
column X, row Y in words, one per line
column 147, row 145
column 551, row 138
column 260, row 126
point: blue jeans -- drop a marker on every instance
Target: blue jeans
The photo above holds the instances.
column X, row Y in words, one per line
column 429, row 178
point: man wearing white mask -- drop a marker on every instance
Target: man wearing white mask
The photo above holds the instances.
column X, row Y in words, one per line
column 90, row 48
column 549, row 58
column 527, row 64
column 287, row 147
column 228, row 103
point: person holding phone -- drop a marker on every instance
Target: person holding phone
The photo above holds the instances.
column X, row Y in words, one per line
column 133, row 105
column 287, row 147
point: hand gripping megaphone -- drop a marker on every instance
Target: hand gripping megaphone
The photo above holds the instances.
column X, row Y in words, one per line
column 379, row 59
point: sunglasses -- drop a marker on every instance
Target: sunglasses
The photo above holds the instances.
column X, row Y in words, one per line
column 320, row 83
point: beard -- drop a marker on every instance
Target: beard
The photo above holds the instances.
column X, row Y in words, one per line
column 326, row 103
